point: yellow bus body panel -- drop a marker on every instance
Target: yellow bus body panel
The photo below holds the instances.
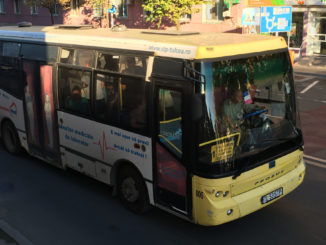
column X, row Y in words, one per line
column 245, row 192
column 241, row 48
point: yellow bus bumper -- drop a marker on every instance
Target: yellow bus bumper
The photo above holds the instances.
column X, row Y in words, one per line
column 210, row 210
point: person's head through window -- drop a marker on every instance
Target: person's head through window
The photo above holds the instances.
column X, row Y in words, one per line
column 76, row 94
column 237, row 96
column 77, row 102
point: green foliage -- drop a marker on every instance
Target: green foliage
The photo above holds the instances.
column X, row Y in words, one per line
column 49, row 4
column 97, row 3
column 173, row 10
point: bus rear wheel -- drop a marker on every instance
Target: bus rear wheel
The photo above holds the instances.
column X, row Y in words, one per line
column 10, row 138
column 132, row 190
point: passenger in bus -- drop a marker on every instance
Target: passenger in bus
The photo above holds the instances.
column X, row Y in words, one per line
column 234, row 109
column 78, row 103
column 130, row 66
column 107, row 98
column 84, row 87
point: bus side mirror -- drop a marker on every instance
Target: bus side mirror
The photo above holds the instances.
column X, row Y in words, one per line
column 196, row 107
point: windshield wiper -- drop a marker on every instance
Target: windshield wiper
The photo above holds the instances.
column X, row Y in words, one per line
column 279, row 139
column 250, row 156
column 243, row 168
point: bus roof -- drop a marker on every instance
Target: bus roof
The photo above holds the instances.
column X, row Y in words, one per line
column 190, row 46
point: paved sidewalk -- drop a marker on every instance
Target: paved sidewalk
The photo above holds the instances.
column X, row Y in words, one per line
column 311, row 65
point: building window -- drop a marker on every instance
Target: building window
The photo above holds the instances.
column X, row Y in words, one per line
column 214, row 11
column 123, row 9
column 17, row 4
column 34, row 8
column 296, row 33
column 98, row 11
column 295, row 38
column 56, row 8
column 2, row 7
column 185, row 18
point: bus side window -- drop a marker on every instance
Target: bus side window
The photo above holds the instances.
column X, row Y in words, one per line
column 67, row 56
column 133, row 65
column 133, row 106
column 11, row 49
column 9, row 76
column 84, row 57
column 107, row 98
column 74, row 91
column 108, row 62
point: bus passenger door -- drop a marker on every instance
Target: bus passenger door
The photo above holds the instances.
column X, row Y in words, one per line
column 39, row 107
column 170, row 173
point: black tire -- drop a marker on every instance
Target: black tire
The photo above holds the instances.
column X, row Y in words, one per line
column 10, row 138
column 132, row 190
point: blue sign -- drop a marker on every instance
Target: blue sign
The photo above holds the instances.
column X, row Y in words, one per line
column 275, row 19
column 113, row 10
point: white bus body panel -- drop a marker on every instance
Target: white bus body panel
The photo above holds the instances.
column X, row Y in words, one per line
column 103, row 144
column 12, row 108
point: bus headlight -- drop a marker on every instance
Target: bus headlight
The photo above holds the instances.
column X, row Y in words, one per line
column 229, row 212
column 225, row 193
column 218, row 193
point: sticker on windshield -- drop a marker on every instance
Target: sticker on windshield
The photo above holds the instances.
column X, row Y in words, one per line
column 223, row 150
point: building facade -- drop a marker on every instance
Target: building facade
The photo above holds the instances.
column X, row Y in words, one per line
column 129, row 12
column 15, row 11
column 310, row 20
column 307, row 36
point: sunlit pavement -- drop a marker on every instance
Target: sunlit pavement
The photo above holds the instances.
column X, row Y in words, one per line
column 311, row 96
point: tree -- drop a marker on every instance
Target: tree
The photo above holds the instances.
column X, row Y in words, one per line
column 173, row 10
column 100, row 4
column 49, row 4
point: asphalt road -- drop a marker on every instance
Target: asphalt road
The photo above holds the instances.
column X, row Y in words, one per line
column 311, row 97
column 43, row 205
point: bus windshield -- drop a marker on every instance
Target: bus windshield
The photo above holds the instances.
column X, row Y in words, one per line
column 249, row 108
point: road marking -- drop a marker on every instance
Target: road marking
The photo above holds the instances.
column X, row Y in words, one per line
column 309, row 87
column 13, row 233
column 314, row 158
column 320, row 165
column 303, row 79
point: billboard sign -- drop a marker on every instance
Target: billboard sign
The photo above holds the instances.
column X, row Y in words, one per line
column 250, row 17
column 275, row 19
column 264, row 3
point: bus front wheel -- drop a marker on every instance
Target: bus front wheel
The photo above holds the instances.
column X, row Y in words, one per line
column 10, row 138
column 132, row 190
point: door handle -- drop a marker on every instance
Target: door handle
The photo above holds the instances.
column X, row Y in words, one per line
column 61, row 120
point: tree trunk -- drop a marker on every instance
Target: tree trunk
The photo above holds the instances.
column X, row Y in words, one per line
column 178, row 25
column 51, row 14
column 106, row 14
column 52, row 18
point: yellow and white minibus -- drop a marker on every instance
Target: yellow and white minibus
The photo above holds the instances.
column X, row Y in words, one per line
column 201, row 125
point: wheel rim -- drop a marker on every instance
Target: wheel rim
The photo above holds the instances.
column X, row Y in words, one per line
column 9, row 140
column 129, row 190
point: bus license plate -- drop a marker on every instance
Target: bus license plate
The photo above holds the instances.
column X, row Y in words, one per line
column 271, row 196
